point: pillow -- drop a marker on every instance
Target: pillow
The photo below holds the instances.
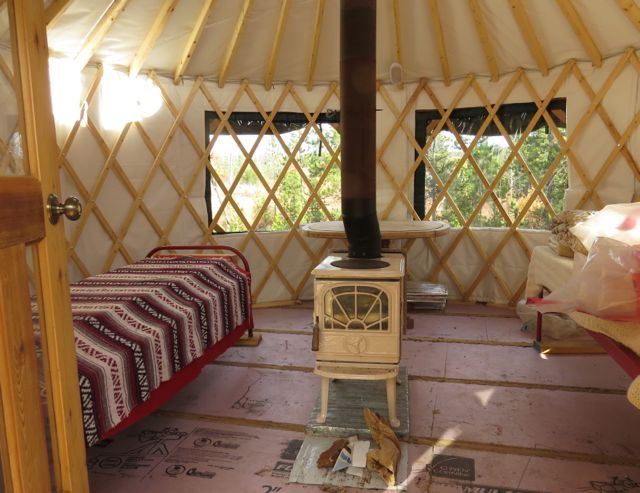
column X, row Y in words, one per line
column 570, row 218
column 561, row 229
column 560, row 248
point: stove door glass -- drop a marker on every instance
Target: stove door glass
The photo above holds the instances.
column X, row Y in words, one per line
column 356, row 307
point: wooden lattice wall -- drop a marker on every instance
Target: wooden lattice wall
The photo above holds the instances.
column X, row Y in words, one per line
column 143, row 185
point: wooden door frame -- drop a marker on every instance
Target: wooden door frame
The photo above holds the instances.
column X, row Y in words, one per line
column 31, row 72
column 25, row 463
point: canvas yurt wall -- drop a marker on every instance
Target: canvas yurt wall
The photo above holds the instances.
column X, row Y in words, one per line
column 142, row 182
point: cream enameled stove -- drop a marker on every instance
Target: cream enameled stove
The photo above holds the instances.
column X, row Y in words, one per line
column 359, row 316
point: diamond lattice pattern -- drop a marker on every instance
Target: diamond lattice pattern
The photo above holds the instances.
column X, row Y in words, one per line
column 145, row 160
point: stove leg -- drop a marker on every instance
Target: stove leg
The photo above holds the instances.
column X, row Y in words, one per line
column 391, row 402
column 324, row 399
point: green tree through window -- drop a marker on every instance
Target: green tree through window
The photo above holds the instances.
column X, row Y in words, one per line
column 491, row 152
column 276, row 192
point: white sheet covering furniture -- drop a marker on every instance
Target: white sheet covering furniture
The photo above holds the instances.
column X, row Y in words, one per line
column 547, row 270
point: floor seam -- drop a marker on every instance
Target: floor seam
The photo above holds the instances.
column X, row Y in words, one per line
column 429, row 441
column 416, row 338
column 428, row 378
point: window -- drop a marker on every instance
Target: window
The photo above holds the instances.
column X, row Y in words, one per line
column 272, row 180
column 482, row 173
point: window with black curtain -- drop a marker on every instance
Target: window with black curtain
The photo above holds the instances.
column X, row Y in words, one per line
column 487, row 184
column 277, row 189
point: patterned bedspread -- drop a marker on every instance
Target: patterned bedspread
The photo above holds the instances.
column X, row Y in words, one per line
column 136, row 326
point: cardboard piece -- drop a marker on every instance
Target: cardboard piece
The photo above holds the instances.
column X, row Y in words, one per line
column 359, row 451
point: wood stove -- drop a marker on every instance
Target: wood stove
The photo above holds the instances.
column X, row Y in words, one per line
column 358, row 308
column 359, row 316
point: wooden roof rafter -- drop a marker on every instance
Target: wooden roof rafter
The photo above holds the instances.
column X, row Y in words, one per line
column 439, row 35
column 485, row 41
column 150, row 39
column 574, row 19
column 55, row 10
column 315, row 43
column 632, row 11
column 275, row 48
column 192, row 40
column 529, row 34
column 233, row 43
column 108, row 18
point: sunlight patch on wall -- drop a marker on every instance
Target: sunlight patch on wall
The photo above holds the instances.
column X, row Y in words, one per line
column 66, row 87
column 124, row 100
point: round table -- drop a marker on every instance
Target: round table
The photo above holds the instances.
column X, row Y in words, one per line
column 389, row 230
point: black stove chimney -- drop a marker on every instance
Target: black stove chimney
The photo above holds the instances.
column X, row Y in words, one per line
column 358, row 126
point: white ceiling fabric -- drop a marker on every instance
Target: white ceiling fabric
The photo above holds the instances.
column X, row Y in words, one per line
column 606, row 22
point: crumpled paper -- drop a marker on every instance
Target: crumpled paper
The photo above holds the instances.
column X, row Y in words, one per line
column 383, row 460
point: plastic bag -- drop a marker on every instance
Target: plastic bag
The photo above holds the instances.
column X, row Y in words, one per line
column 608, row 286
column 616, row 221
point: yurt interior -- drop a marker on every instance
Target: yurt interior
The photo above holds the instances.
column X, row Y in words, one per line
column 280, row 246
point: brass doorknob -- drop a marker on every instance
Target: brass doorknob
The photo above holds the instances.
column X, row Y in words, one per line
column 72, row 208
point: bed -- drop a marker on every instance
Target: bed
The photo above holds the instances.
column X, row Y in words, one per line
column 621, row 340
column 145, row 330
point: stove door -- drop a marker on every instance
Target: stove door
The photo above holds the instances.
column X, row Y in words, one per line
column 358, row 321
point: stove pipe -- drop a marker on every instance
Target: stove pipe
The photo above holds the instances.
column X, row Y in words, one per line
column 358, row 126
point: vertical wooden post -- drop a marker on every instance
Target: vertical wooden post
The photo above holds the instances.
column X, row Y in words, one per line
column 25, row 464
column 23, row 447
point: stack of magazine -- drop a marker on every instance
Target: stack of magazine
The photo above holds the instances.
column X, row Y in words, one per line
column 426, row 295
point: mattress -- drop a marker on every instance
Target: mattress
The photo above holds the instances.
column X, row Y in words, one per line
column 137, row 326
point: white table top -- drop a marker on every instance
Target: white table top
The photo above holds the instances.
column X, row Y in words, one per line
column 389, row 230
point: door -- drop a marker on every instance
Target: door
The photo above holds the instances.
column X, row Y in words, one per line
column 27, row 465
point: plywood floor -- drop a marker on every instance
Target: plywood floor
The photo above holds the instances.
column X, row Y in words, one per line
column 488, row 415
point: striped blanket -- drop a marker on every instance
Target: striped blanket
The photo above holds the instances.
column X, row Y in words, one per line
column 136, row 326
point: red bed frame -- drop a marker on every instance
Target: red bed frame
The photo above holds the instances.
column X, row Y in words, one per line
column 621, row 354
column 168, row 389
column 627, row 359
